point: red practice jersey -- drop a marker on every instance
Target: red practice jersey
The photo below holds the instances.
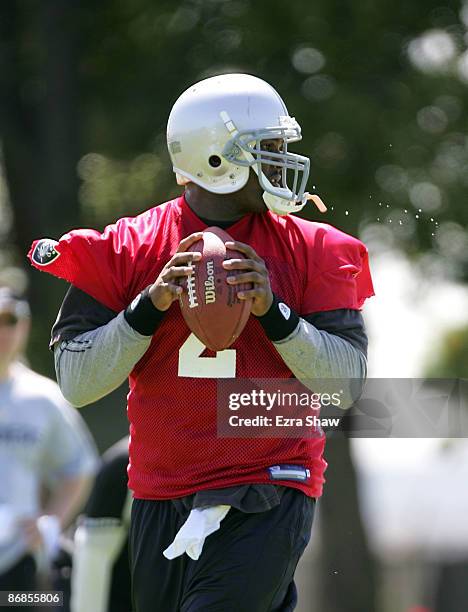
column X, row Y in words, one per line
column 174, row 447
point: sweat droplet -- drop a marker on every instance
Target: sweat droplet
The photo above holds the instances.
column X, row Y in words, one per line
column 406, row 210
column 388, row 205
column 417, row 216
column 400, row 222
column 378, row 218
column 389, row 220
column 346, row 212
column 380, row 203
column 432, row 234
column 419, row 210
column 432, row 219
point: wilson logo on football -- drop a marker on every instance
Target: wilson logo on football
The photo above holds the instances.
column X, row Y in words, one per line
column 191, row 291
column 45, row 252
column 210, row 291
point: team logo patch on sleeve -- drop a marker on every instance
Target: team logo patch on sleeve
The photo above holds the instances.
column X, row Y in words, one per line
column 45, row 252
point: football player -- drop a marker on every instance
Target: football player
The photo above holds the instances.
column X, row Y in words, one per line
column 242, row 524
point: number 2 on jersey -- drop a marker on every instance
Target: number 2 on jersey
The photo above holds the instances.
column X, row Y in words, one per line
column 191, row 364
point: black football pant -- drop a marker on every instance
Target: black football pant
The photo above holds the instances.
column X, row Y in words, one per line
column 246, row 566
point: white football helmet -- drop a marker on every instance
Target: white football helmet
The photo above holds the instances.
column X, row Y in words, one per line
column 214, row 136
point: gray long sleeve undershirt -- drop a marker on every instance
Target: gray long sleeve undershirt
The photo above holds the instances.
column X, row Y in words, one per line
column 323, row 362
column 96, row 362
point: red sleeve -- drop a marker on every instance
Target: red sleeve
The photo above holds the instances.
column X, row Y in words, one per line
column 338, row 274
column 98, row 263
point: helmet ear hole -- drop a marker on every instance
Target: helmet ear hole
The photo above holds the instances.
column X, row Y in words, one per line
column 214, row 161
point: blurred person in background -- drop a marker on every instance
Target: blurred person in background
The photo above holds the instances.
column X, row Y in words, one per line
column 100, row 579
column 44, row 445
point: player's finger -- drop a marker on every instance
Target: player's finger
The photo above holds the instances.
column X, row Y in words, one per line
column 248, row 277
column 244, row 264
column 179, row 259
column 243, row 248
column 176, row 290
column 251, row 294
column 187, row 242
column 175, row 271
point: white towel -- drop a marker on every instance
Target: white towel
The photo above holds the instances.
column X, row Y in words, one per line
column 49, row 528
column 191, row 536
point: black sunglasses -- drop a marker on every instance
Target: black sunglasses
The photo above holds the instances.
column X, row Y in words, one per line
column 8, row 319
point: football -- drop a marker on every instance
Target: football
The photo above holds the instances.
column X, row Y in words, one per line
column 210, row 306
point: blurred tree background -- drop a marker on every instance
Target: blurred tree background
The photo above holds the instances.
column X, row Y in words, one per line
column 379, row 88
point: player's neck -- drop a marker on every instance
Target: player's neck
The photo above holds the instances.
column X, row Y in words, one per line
column 230, row 207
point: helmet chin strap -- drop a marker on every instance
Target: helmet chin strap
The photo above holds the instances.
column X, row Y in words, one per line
column 278, row 206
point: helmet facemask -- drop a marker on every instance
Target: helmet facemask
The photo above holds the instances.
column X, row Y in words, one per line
column 245, row 149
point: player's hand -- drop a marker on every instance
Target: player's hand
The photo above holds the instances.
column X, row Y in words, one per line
column 31, row 533
column 254, row 271
column 167, row 287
